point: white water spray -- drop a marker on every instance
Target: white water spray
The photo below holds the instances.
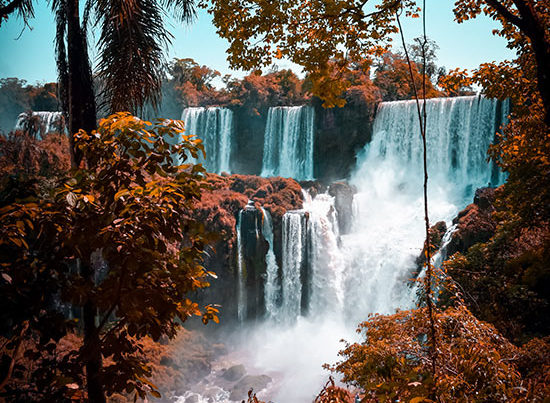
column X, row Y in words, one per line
column 272, row 288
column 288, row 142
column 214, row 126
column 49, row 122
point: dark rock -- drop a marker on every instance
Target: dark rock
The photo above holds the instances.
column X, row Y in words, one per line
column 192, row 399
column 475, row 223
column 168, row 362
column 343, row 202
column 340, row 134
column 219, row 211
column 260, row 193
column 436, row 236
column 485, row 198
column 255, row 382
column 234, row 373
column 313, row 187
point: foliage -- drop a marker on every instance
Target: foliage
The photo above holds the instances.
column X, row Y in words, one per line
column 258, row 91
column 116, row 233
column 131, row 43
column 392, row 77
column 193, row 83
column 456, row 83
column 392, row 362
column 333, row 394
column 504, row 281
column 16, row 96
column 526, row 27
column 313, row 34
column 418, row 52
column 23, row 8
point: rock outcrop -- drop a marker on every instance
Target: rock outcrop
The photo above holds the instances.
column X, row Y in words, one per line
column 219, row 210
column 343, row 202
column 475, row 223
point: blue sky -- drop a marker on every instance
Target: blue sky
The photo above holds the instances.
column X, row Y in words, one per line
column 31, row 56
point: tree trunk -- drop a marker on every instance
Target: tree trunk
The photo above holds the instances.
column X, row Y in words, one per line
column 81, row 113
column 542, row 56
column 81, row 108
column 92, row 356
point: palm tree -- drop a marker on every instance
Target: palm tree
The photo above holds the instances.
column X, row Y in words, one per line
column 131, row 43
column 132, row 38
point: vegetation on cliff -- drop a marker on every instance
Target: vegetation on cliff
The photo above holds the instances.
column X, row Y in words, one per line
column 116, row 233
column 125, row 206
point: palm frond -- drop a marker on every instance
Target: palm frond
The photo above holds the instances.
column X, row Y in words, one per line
column 131, row 58
column 183, row 10
column 58, row 6
column 23, row 8
column 133, row 37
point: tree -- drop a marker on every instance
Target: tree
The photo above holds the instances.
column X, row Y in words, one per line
column 314, row 33
column 526, row 26
column 132, row 35
column 117, row 235
column 192, row 82
column 392, row 77
column 477, row 364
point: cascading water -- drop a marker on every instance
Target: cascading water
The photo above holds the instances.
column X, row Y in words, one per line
column 48, row 122
column 214, row 126
column 366, row 271
column 288, row 142
column 294, row 254
column 325, row 258
column 272, row 288
column 241, row 286
column 341, row 279
column 459, row 132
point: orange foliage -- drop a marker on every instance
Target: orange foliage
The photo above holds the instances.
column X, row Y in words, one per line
column 392, row 77
column 475, row 363
column 219, row 207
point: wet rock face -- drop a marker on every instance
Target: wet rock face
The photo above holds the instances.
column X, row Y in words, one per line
column 254, row 249
column 436, row 236
column 219, row 210
column 254, row 382
column 234, row 373
column 313, row 187
column 475, row 222
column 343, row 202
column 340, row 133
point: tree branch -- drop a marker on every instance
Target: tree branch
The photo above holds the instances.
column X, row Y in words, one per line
column 507, row 14
column 24, row 7
column 15, row 354
column 11, row 7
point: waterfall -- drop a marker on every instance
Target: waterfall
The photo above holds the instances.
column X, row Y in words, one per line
column 312, row 262
column 366, row 271
column 288, row 142
column 214, row 126
column 389, row 230
column 294, row 231
column 325, row 257
column 241, row 285
column 330, row 282
column 48, row 122
column 272, row 288
column 459, row 132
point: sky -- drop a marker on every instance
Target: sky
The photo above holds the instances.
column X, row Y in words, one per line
column 28, row 53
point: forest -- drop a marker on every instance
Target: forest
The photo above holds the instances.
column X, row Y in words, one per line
column 373, row 229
